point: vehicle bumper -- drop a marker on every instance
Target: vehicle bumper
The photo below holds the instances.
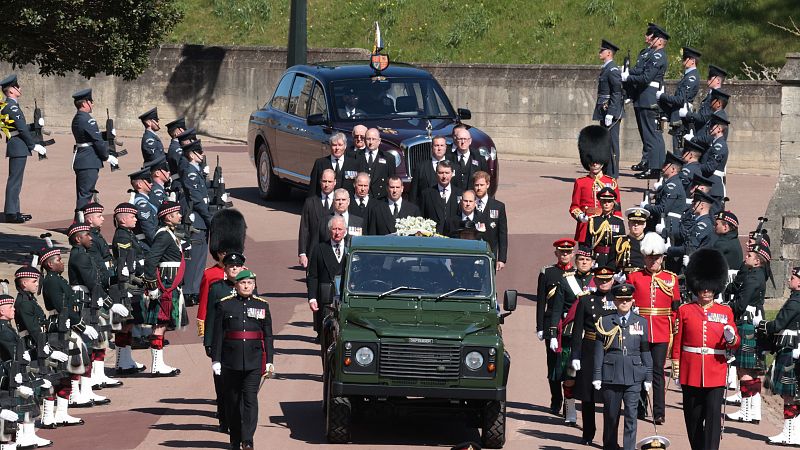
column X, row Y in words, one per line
column 371, row 390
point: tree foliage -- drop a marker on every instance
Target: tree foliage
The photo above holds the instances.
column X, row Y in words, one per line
column 86, row 36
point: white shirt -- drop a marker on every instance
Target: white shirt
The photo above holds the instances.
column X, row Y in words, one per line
column 446, row 190
column 371, row 154
column 330, row 199
column 483, row 201
column 346, row 216
column 435, row 163
column 336, row 163
column 339, row 244
column 362, row 201
column 399, row 204
column 469, row 217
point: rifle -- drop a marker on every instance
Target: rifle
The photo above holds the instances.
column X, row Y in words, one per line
column 217, row 195
column 110, row 136
column 37, row 129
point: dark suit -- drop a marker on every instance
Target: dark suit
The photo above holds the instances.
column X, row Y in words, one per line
column 348, row 169
column 463, row 172
column 361, row 211
column 435, row 208
column 381, row 221
column 496, row 222
column 311, row 225
column 622, row 368
column 382, row 167
column 353, row 152
column 242, row 359
column 323, row 268
column 424, row 177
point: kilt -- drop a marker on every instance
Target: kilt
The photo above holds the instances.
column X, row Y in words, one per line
column 137, row 309
column 748, row 355
column 563, row 359
column 784, row 381
column 583, row 389
column 165, row 312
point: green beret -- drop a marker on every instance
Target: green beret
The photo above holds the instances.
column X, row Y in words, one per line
column 245, row 274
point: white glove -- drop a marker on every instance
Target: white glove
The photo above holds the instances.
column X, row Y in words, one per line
column 100, row 302
column 112, row 160
column 643, row 203
column 26, row 356
column 597, row 385
column 619, row 277
column 659, row 228
column 688, row 136
column 119, row 310
column 39, row 148
column 46, row 384
column 625, row 74
column 668, row 243
column 224, row 197
column 657, row 184
column 59, row 356
column 576, row 365
column 46, row 349
column 206, row 170
column 67, row 323
column 540, row 335
column 647, row 386
column 216, row 368
column 796, row 353
column 8, row 415
column 24, row 391
column 270, row 370
column 18, row 378
column 729, row 334
column 757, row 319
column 636, row 310
column 685, row 260
column 90, row 332
column 659, row 93
column 684, row 110
column 553, row 344
column 154, row 294
column 583, row 218
column 608, row 119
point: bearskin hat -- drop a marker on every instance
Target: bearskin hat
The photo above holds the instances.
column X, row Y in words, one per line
column 707, row 270
column 227, row 233
column 653, row 244
column 594, row 145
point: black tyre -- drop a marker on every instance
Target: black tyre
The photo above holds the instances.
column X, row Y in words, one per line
column 270, row 187
column 494, row 425
column 338, row 419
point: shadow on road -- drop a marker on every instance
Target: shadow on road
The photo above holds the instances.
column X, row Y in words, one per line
column 195, row 444
column 292, row 205
column 188, row 401
column 562, row 179
column 175, row 412
column 295, row 337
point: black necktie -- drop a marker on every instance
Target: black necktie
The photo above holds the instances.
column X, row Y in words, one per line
column 325, row 203
column 624, row 321
column 336, row 166
column 369, row 159
column 338, row 251
column 463, row 162
column 395, row 210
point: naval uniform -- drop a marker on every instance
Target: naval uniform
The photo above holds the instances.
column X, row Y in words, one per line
column 88, row 156
column 243, row 346
column 626, row 253
column 602, row 232
column 19, row 147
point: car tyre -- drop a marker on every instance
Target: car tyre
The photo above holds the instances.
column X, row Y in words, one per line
column 270, row 187
column 494, row 425
column 338, row 419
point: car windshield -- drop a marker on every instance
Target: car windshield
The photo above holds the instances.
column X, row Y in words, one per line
column 363, row 99
column 420, row 275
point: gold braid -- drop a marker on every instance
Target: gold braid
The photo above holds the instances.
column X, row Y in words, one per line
column 600, row 233
column 623, row 248
column 664, row 285
column 608, row 336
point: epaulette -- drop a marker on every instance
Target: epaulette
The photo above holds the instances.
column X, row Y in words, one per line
column 227, row 298
column 638, row 269
column 546, row 267
column 670, row 272
column 255, row 297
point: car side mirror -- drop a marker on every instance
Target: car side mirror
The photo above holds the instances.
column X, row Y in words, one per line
column 316, row 119
column 464, row 114
column 510, row 300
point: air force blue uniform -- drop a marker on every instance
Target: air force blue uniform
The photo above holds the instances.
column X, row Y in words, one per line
column 88, row 155
column 194, row 184
column 19, row 147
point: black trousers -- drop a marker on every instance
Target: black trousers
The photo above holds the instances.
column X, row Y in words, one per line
column 589, row 424
column 241, row 403
column 556, row 396
column 702, row 412
column 85, row 182
column 652, row 140
column 612, row 169
column 197, row 264
column 613, row 397
column 16, row 170
column 219, row 390
column 659, row 353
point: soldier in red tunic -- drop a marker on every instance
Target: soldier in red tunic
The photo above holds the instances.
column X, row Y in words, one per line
column 657, row 297
column 594, row 146
column 705, row 330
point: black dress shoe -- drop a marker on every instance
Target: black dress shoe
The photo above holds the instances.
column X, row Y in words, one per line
column 639, row 167
column 26, row 216
column 14, row 218
column 659, row 421
column 651, row 174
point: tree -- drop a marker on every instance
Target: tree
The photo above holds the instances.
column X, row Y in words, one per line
column 86, row 36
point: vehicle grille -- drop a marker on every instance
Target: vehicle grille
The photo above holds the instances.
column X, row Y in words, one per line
column 417, row 154
column 433, row 361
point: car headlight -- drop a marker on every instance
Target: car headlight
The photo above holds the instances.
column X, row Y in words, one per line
column 473, row 360
column 365, row 356
column 396, row 157
column 493, row 153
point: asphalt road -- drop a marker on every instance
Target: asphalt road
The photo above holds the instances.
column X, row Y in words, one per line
column 178, row 413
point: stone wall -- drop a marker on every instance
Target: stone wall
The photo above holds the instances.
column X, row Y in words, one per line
column 531, row 111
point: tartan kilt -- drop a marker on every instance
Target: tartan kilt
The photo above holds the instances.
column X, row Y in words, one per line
column 161, row 312
column 784, row 381
column 748, row 355
column 138, row 309
column 559, row 372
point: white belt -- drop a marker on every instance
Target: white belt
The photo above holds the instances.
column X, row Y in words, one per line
column 703, row 350
column 83, row 144
column 675, row 215
column 788, row 333
column 719, row 173
column 170, row 264
column 141, row 237
column 80, row 287
column 655, row 84
column 688, row 201
column 13, row 133
column 23, row 333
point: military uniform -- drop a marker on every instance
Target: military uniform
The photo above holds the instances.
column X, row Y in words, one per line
column 670, row 202
column 584, row 199
column 243, row 346
column 602, row 232
column 20, row 145
column 194, row 183
column 728, row 244
column 685, row 92
column 610, row 102
column 174, row 152
column 713, row 164
column 622, row 363
column 146, row 212
column 152, row 148
column 91, row 150
column 697, row 233
column 625, row 253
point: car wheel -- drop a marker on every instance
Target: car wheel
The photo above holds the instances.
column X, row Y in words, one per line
column 270, row 187
column 494, row 425
column 338, row 419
